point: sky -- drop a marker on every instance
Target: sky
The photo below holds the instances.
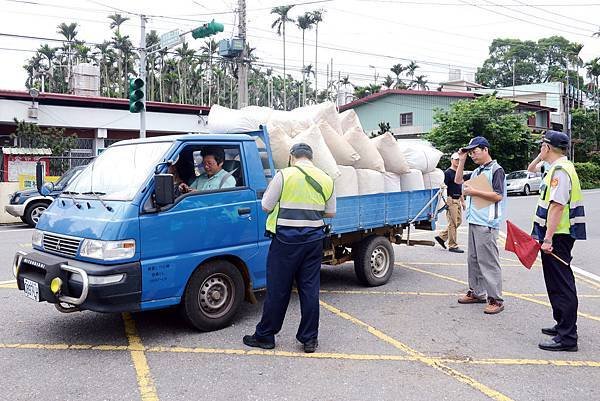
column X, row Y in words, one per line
column 362, row 39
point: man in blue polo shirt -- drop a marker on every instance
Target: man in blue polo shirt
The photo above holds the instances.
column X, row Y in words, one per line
column 485, row 275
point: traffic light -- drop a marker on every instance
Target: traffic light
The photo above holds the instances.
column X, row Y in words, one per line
column 137, row 101
column 208, row 29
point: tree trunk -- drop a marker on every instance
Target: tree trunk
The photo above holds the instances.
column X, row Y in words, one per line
column 284, row 77
column 303, row 77
column 316, row 61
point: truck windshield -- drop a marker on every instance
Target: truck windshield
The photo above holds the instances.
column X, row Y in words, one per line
column 119, row 171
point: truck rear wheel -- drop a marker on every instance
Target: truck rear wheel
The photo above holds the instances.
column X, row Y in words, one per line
column 213, row 295
column 374, row 261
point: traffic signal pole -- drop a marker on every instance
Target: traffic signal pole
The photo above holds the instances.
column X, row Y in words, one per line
column 242, row 64
column 143, row 74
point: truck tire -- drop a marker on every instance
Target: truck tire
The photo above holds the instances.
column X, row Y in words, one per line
column 213, row 295
column 374, row 261
column 33, row 213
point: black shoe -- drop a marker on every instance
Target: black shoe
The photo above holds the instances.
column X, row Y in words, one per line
column 554, row 346
column 456, row 250
column 311, row 346
column 252, row 341
column 550, row 331
column 440, row 241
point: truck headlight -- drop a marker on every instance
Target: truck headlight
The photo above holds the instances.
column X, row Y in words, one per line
column 14, row 199
column 37, row 238
column 107, row 250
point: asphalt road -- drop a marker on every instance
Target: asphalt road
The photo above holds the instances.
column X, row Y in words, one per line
column 407, row 340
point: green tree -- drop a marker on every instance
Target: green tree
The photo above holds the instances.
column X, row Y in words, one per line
column 585, row 133
column 304, row 22
column 398, row 69
column 388, row 82
column 282, row 18
column 511, row 141
column 548, row 59
column 317, row 18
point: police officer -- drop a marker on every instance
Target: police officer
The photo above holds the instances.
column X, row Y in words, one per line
column 558, row 222
column 297, row 200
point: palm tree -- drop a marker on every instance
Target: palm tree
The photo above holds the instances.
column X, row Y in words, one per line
column 105, row 58
column 209, row 48
column 69, row 31
column 304, row 22
column 116, row 21
column 593, row 72
column 185, row 55
column 280, row 21
column 420, row 82
column 410, row 69
column 49, row 53
column 152, row 39
column 389, row 82
column 124, row 46
column 398, row 69
column 373, row 88
column 317, row 17
column 361, row 91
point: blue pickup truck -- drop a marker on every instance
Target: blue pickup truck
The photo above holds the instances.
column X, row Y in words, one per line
column 119, row 238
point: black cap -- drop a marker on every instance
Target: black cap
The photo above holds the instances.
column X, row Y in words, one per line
column 478, row 141
column 301, row 150
column 556, row 138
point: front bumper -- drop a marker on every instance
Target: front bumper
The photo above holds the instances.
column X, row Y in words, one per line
column 78, row 288
column 15, row 210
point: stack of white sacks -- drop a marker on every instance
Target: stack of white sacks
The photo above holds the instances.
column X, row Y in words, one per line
column 358, row 165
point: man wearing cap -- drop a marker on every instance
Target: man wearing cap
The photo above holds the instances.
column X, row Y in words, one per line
column 456, row 204
column 558, row 222
column 297, row 200
column 485, row 275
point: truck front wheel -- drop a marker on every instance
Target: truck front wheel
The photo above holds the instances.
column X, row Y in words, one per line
column 374, row 261
column 213, row 295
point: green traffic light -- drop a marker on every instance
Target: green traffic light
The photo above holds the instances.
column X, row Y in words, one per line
column 136, row 95
column 208, row 29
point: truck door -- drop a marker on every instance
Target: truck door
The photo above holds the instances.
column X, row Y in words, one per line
column 216, row 219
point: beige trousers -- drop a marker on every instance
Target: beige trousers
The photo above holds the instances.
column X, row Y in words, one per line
column 454, row 217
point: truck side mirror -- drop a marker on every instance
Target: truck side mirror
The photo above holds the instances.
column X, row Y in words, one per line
column 164, row 191
column 39, row 176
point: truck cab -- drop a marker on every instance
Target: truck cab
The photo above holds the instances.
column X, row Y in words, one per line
column 106, row 244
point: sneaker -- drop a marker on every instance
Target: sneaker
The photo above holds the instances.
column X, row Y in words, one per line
column 311, row 346
column 252, row 341
column 440, row 241
column 493, row 307
column 456, row 250
column 470, row 298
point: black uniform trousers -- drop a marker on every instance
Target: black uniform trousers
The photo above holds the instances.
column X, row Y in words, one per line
column 285, row 263
column 560, row 284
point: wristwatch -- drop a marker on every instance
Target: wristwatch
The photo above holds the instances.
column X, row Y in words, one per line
column 547, row 241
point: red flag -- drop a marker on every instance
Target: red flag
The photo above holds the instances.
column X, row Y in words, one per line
column 522, row 244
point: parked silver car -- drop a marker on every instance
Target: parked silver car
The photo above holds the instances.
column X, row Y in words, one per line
column 523, row 182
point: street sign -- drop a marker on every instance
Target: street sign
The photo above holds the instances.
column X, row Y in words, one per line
column 171, row 39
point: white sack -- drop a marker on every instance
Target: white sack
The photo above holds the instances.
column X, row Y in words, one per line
column 391, row 152
column 325, row 111
column 392, row 182
column 369, row 182
column 259, row 113
column 322, row 157
column 348, row 119
column 347, row 183
column 342, row 151
column 434, row 179
column 412, row 181
column 421, row 156
column 369, row 155
column 291, row 123
column 222, row 120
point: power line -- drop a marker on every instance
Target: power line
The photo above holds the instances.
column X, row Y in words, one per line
column 557, row 14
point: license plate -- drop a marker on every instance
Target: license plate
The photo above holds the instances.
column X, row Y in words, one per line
column 32, row 289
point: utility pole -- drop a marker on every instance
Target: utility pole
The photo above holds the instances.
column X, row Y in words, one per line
column 514, row 78
column 242, row 65
column 143, row 74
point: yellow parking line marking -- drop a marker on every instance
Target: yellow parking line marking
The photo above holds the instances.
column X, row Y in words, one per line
column 430, row 294
column 142, row 370
column 436, row 364
column 453, row 264
column 289, row 354
column 9, row 286
column 25, row 245
column 513, row 362
column 508, row 293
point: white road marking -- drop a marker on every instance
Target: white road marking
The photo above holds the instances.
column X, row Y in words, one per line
column 17, row 230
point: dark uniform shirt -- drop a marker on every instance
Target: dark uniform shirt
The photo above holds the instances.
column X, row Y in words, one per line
column 454, row 190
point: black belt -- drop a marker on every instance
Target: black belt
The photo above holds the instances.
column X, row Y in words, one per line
column 455, row 196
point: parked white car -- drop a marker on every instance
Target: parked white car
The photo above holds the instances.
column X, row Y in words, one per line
column 523, row 182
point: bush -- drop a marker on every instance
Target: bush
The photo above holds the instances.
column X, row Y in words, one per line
column 589, row 175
